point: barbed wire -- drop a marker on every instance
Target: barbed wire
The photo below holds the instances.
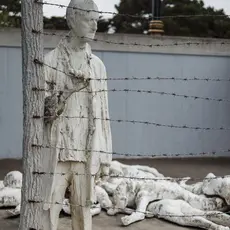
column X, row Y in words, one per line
column 135, row 43
column 131, row 15
column 141, row 78
column 144, row 92
column 127, row 90
column 172, row 179
column 143, row 155
column 137, row 78
column 138, row 122
column 164, row 78
column 133, row 210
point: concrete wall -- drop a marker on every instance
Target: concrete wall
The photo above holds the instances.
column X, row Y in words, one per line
column 210, row 59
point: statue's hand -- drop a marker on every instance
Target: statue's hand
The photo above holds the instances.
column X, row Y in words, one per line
column 79, row 79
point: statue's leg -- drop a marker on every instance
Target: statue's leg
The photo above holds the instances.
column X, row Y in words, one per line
column 195, row 221
column 183, row 214
column 218, row 218
column 139, row 214
column 81, row 189
column 61, row 183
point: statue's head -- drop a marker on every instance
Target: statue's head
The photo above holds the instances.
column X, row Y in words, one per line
column 82, row 18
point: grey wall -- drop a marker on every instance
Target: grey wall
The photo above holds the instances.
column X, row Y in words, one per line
column 211, row 60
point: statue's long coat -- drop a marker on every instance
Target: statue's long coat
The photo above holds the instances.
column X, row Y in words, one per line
column 71, row 133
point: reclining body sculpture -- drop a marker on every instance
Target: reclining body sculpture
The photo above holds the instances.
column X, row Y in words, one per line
column 211, row 186
column 131, row 193
column 171, row 205
column 10, row 191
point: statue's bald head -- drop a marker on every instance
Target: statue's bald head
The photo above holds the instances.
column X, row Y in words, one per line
column 82, row 17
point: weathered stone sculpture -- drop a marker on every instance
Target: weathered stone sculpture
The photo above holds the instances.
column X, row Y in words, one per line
column 75, row 138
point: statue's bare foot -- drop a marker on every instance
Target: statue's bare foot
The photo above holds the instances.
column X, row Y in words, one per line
column 134, row 217
column 126, row 220
column 112, row 212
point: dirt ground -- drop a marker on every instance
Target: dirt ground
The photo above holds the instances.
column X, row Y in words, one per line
column 170, row 167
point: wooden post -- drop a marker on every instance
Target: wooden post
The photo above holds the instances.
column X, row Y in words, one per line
column 33, row 104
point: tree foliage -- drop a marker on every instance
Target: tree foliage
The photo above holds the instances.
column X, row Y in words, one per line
column 218, row 27
column 10, row 13
column 10, row 16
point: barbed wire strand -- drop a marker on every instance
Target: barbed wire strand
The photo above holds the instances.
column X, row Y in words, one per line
column 172, row 179
column 164, row 78
column 141, row 78
column 133, row 210
column 129, row 90
column 143, row 92
column 131, row 15
column 135, row 43
column 139, row 122
column 144, row 155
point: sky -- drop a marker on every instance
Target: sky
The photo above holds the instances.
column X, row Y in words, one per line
column 108, row 5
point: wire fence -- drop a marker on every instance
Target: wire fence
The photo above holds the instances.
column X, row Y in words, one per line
column 128, row 210
column 144, row 155
column 205, row 79
column 171, row 94
column 136, row 44
column 137, row 122
column 126, row 90
column 171, row 179
column 188, row 79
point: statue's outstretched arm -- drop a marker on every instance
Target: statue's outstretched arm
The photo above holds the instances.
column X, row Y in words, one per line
column 55, row 100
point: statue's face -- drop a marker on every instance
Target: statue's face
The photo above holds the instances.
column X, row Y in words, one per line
column 86, row 25
column 83, row 24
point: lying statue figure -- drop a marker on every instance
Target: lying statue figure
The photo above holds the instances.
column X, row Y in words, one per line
column 181, row 213
column 135, row 193
column 186, row 205
column 118, row 172
column 176, row 211
column 211, row 186
column 10, row 190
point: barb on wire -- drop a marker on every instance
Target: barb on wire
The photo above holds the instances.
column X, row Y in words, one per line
column 144, row 16
column 143, row 155
column 135, row 43
column 127, row 209
column 139, row 122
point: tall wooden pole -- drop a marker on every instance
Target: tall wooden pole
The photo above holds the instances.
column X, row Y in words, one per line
column 156, row 26
column 33, row 104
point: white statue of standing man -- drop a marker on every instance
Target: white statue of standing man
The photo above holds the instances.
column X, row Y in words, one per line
column 73, row 134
